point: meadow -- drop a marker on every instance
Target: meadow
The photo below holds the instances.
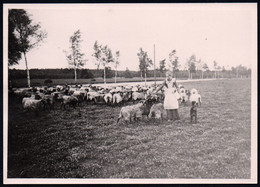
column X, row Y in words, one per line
column 86, row 142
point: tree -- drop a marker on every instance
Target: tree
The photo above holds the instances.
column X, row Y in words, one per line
column 128, row 73
column 97, row 54
column 234, row 71
column 109, row 72
column 204, row 68
column 199, row 66
column 142, row 57
column 241, row 71
column 116, row 63
column 162, row 66
column 145, row 62
column 103, row 57
column 190, row 64
column 215, row 65
column 27, row 34
column 14, row 51
column 174, row 63
column 75, row 56
column 218, row 69
column 106, row 58
column 149, row 62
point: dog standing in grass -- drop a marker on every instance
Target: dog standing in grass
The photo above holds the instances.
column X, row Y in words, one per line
column 193, row 112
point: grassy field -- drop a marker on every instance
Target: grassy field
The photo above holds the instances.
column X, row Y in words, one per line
column 87, row 143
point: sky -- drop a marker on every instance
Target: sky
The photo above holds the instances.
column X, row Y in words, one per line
column 226, row 33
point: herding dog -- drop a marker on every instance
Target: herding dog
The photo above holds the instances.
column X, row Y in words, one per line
column 193, row 112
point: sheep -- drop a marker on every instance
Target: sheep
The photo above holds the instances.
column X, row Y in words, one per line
column 134, row 89
column 48, row 101
column 195, row 97
column 108, row 98
column 180, row 86
column 80, row 95
column 69, row 100
column 33, row 105
column 136, row 111
column 92, row 96
column 137, row 96
column 157, row 111
column 28, row 98
column 117, row 99
column 126, row 96
column 59, row 87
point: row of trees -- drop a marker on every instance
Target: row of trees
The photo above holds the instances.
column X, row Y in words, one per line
column 83, row 73
column 24, row 35
column 102, row 54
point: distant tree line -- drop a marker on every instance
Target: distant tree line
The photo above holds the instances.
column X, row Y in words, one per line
column 235, row 72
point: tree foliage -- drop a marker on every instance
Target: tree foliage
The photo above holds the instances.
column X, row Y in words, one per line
column 103, row 56
column 205, row 67
column 28, row 34
column 174, row 61
column 117, row 63
column 97, row 54
column 117, row 59
column 14, row 50
column 162, row 66
column 74, row 56
column 191, row 63
column 24, row 35
column 144, row 61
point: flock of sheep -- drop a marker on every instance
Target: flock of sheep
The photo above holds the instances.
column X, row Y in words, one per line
column 136, row 101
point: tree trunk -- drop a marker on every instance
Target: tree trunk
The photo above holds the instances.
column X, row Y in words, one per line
column 75, row 73
column 215, row 74
column 202, row 74
column 141, row 76
column 28, row 73
column 189, row 74
column 115, row 75
column 145, row 78
column 105, row 75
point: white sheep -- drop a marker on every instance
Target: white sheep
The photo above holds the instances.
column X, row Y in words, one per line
column 137, row 96
column 130, row 112
column 92, row 96
column 157, row 111
column 69, row 100
column 117, row 98
column 134, row 89
column 108, row 98
column 32, row 104
column 28, row 98
column 136, row 111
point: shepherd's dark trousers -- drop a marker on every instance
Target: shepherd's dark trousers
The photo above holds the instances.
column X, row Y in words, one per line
column 176, row 114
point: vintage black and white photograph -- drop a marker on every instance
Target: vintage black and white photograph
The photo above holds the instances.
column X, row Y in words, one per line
column 130, row 93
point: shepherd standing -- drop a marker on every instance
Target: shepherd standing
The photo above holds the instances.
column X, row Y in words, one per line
column 171, row 103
